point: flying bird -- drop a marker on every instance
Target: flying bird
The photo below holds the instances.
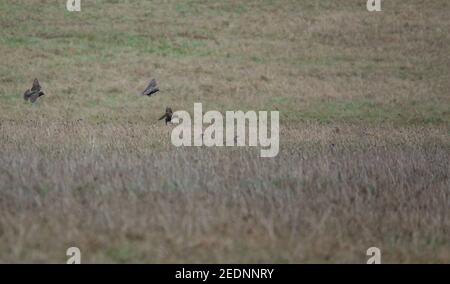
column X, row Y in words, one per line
column 34, row 93
column 168, row 115
column 151, row 88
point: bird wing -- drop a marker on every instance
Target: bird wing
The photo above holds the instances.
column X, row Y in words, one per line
column 150, row 91
column 152, row 84
column 34, row 96
column 36, row 85
column 27, row 94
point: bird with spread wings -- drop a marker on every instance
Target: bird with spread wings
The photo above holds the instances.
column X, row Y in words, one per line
column 168, row 115
column 151, row 88
column 34, row 93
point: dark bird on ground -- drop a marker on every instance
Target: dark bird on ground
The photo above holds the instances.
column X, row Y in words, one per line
column 151, row 88
column 167, row 115
column 34, row 93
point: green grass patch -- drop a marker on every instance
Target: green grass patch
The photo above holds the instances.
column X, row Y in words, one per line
column 368, row 111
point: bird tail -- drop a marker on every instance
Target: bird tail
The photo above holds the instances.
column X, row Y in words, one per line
column 162, row 117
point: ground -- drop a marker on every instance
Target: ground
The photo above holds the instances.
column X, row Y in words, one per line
column 364, row 102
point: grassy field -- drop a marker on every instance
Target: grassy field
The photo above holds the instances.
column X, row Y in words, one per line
column 364, row 101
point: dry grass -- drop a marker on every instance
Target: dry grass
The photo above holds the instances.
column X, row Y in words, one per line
column 365, row 131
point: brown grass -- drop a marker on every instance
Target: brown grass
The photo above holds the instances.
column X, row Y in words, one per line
column 365, row 132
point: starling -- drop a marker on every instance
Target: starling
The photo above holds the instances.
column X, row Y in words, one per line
column 151, row 88
column 167, row 115
column 34, row 93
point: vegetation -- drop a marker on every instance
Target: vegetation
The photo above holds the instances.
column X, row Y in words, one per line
column 364, row 101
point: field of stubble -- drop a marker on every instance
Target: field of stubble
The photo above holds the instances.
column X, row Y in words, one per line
column 364, row 103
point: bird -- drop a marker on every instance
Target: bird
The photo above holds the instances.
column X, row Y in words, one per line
column 151, row 88
column 34, row 93
column 168, row 115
